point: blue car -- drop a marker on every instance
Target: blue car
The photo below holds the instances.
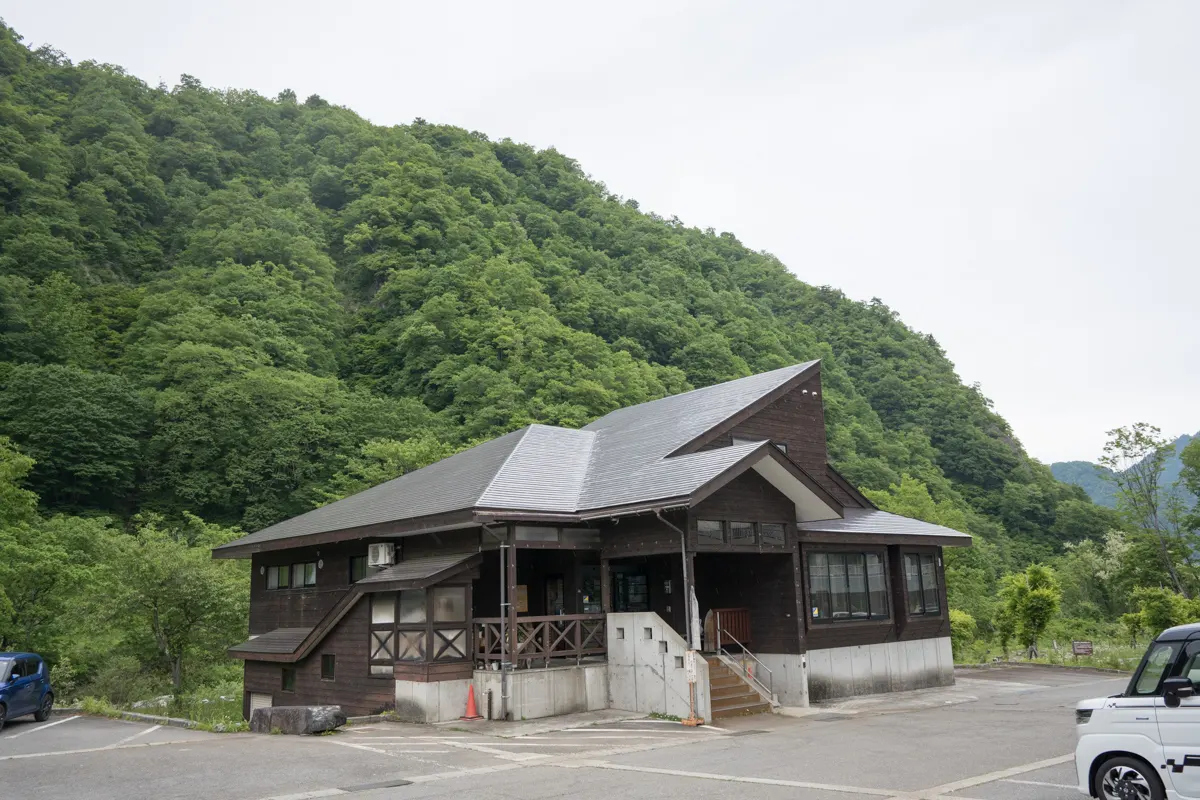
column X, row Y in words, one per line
column 24, row 687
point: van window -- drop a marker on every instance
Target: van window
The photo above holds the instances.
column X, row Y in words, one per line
column 1154, row 667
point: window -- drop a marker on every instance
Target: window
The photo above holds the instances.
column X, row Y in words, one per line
column 1154, row 667
column 358, row 568
column 741, row 533
column 328, row 665
column 920, row 576
column 846, row 587
column 304, row 574
column 383, row 608
column 277, row 577
column 772, row 532
column 450, row 604
column 710, row 531
column 412, row 607
column 288, row 679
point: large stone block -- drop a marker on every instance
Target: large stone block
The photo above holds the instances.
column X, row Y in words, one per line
column 297, row 720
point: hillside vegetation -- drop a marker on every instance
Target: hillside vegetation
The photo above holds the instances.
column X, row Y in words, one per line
column 219, row 309
column 1099, row 484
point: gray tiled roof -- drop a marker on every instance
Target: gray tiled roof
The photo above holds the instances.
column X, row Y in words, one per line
column 875, row 522
column 620, row 459
column 417, row 570
column 280, row 640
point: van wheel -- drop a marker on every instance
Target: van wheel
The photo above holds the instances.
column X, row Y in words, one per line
column 1125, row 778
column 43, row 712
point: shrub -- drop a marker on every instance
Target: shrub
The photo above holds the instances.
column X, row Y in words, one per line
column 962, row 631
column 122, row 682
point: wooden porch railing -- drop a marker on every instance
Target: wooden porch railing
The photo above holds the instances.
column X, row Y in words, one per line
column 541, row 639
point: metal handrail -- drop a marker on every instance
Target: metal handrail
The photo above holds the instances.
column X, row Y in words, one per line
column 770, row 689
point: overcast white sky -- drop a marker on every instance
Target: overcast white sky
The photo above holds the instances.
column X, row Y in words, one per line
column 1020, row 179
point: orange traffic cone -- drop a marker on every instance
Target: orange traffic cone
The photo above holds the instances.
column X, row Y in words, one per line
column 472, row 712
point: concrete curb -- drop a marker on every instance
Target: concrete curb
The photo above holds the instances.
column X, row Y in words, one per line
column 368, row 719
column 131, row 716
column 1028, row 665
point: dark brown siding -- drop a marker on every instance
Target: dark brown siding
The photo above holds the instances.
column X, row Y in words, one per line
column 300, row 608
column 899, row 628
column 798, row 420
column 352, row 688
column 747, row 498
column 765, row 584
column 644, row 535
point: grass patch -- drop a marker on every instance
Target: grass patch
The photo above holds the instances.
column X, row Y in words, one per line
column 667, row 717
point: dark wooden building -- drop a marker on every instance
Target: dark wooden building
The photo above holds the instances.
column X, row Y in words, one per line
column 715, row 510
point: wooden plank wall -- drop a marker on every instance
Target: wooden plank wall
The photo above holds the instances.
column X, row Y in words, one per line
column 300, row 608
column 353, row 688
column 798, row 420
column 747, row 498
column 763, row 583
column 642, row 535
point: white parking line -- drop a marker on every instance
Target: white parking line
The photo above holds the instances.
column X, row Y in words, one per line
column 137, row 735
column 1041, row 783
column 679, row 773
column 40, row 728
column 107, row 748
column 1000, row 774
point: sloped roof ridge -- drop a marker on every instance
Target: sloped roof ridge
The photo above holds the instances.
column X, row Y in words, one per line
column 569, row 464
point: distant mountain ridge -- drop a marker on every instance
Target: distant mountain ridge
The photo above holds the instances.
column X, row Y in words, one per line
column 1097, row 480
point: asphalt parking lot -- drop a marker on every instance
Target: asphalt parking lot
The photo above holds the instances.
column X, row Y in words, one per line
column 997, row 735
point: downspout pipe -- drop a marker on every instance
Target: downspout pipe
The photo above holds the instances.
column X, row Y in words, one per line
column 504, row 662
column 687, row 599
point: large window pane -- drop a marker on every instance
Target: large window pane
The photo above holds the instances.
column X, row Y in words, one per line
column 839, row 598
column 710, row 531
column 358, row 568
column 741, row 533
column 877, row 586
column 856, row 576
column 383, row 646
column 450, row 604
column 912, row 579
column 772, row 532
column 410, row 645
column 383, row 608
column 929, row 584
column 412, row 607
column 818, row 585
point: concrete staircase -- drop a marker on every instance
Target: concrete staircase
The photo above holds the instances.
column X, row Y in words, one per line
column 731, row 696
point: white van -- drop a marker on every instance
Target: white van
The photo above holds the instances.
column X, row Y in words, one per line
column 1144, row 744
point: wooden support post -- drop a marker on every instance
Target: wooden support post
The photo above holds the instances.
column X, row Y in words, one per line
column 606, row 586
column 797, row 582
column 512, row 597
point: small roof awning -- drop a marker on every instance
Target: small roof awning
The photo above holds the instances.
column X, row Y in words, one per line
column 281, row 641
column 418, row 573
column 870, row 525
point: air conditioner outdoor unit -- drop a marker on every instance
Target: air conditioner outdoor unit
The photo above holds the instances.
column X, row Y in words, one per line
column 381, row 555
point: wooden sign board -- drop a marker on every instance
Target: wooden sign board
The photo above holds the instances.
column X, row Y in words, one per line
column 1081, row 648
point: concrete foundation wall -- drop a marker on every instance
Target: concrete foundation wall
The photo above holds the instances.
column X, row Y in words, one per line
column 646, row 671
column 885, row 667
column 536, row 693
column 439, row 701
column 790, row 674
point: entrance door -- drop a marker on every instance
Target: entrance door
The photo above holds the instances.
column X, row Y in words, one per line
column 631, row 592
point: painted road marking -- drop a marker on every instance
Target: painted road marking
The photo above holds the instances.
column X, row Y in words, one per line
column 106, row 748
column 998, row 775
column 39, row 728
column 1042, row 783
column 712, row 776
column 128, row 739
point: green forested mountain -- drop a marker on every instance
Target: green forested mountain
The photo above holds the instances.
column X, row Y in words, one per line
column 218, row 304
column 1097, row 481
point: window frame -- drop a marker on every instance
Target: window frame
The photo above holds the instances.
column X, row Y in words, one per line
column 303, row 568
column 286, row 685
column 873, row 618
column 440, row 641
column 727, row 535
column 329, row 674
column 279, row 570
column 362, row 559
column 924, row 611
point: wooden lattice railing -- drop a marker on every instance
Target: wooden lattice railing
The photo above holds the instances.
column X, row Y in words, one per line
column 541, row 639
